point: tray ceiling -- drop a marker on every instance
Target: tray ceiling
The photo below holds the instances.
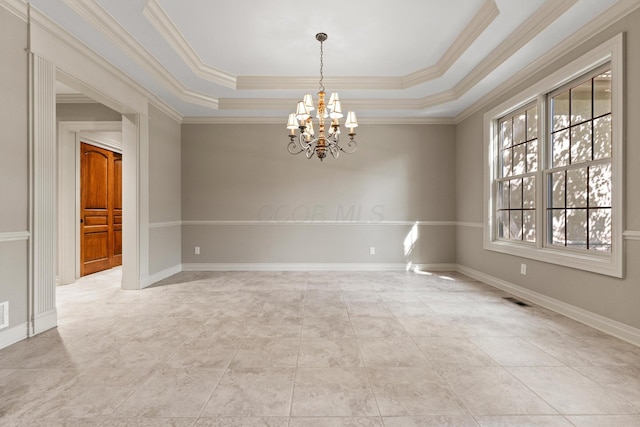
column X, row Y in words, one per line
column 414, row 59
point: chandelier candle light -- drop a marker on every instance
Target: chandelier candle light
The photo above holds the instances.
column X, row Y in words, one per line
column 306, row 140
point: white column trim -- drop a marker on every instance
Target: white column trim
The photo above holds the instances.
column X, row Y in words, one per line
column 43, row 175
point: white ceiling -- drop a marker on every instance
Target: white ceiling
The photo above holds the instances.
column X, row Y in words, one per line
column 250, row 58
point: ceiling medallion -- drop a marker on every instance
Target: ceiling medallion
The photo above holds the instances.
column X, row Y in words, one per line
column 306, row 141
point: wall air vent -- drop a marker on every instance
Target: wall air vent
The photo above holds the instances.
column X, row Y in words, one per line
column 4, row 314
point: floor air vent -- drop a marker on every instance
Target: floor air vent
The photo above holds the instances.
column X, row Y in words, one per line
column 517, row 301
column 4, row 314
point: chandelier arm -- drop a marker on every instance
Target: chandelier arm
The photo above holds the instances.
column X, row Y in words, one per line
column 353, row 146
column 293, row 148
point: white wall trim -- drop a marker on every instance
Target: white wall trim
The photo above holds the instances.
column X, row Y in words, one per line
column 45, row 321
column 312, row 267
column 12, row 236
column 469, row 224
column 165, row 224
column 102, row 141
column 13, row 335
column 74, row 98
column 160, row 275
column 631, row 235
column 604, row 324
column 310, row 222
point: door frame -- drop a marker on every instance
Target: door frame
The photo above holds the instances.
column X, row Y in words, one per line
column 55, row 55
column 69, row 135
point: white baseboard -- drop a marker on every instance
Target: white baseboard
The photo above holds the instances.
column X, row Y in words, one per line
column 13, row 335
column 45, row 321
column 294, row 267
column 156, row 277
column 604, row 324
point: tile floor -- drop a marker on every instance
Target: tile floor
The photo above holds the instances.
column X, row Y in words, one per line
column 314, row 349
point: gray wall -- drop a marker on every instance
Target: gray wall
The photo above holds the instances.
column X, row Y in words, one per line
column 244, row 173
column 613, row 298
column 86, row 113
column 164, row 191
column 13, row 165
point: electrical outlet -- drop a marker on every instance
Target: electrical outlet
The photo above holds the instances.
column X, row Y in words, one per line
column 372, row 250
column 523, row 269
column 196, row 250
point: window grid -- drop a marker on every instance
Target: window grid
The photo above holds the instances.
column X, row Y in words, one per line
column 577, row 164
column 511, row 221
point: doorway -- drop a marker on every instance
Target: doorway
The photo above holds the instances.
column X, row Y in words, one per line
column 100, row 209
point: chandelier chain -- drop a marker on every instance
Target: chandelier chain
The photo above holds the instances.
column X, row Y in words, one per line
column 321, row 66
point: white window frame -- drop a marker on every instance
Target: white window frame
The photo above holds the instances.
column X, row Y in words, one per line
column 611, row 264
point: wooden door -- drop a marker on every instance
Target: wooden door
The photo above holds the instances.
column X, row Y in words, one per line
column 100, row 209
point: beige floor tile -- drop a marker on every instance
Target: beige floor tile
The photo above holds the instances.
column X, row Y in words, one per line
column 53, row 422
column 327, row 327
column 377, row 327
column 453, row 351
column 335, row 422
column 622, row 380
column 288, row 327
column 144, row 353
column 605, row 420
column 513, row 351
column 413, row 391
column 243, row 422
column 494, row 391
column 329, row 353
column 333, row 392
column 431, row 421
column 267, row 353
column 391, row 352
column 172, row 393
column 523, row 420
column 149, row 422
column 368, row 308
column 570, row 392
column 252, row 392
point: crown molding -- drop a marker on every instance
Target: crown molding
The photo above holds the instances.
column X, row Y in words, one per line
column 60, row 34
column 172, row 35
column 168, row 30
column 192, row 120
column 18, row 7
column 93, row 13
column 478, row 24
column 74, row 98
column 616, row 12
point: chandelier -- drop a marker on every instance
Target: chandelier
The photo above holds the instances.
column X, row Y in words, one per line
column 306, row 140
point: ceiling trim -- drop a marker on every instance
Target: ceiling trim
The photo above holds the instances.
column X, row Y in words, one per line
column 616, row 12
column 192, row 120
column 17, row 7
column 478, row 24
column 74, row 98
column 63, row 36
column 172, row 35
column 93, row 13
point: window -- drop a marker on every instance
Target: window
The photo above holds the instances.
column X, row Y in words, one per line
column 554, row 167
column 579, row 177
column 516, row 183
